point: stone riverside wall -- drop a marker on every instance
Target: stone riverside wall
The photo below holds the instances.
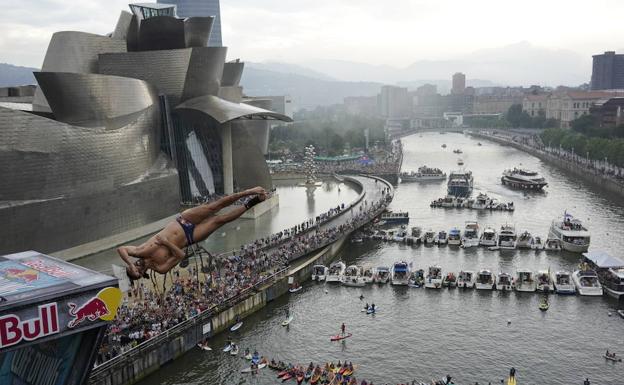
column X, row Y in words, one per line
column 587, row 175
column 148, row 357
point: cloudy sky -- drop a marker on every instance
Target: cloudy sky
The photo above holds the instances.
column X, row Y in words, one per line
column 396, row 32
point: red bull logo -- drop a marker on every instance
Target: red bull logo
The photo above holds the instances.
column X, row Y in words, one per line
column 103, row 306
column 13, row 329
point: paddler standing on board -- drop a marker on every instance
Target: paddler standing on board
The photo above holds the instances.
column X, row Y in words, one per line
column 343, row 328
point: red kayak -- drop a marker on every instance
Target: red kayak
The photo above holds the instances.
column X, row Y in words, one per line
column 339, row 337
column 299, row 378
column 282, row 373
column 288, row 376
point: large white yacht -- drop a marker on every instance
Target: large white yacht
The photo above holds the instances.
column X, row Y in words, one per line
column 336, row 271
column 524, row 179
column 613, row 282
column 485, row 280
column 571, row 233
column 424, row 174
column 353, row 276
column 562, row 281
column 488, row 237
column 433, row 279
column 507, row 237
column 525, row 281
column 471, row 234
column 400, row 273
column 319, row 272
column 466, row 279
column 504, row 282
column 587, row 283
column 544, row 282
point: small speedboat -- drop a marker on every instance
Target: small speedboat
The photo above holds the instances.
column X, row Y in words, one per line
column 587, row 282
column 538, row 244
column 466, row 279
column 454, row 237
column 429, row 237
column 525, row 281
column 319, row 272
column 562, row 281
column 485, row 280
column 382, row 274
column 504, row 282
column 433, row 280
column 449, row 280
column 441, row 238
column 353, row 277
column 552, row 244
column 367, row 274
column 544, row 282
column 525, row 241
column 416, row 279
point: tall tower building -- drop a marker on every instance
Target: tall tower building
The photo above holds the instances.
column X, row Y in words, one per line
column 459, row 83
column 607, row 71
column 194, row 8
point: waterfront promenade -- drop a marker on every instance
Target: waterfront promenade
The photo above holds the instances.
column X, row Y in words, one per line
column 244, row 281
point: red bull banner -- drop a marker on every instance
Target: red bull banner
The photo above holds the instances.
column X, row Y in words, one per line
column 102, row 306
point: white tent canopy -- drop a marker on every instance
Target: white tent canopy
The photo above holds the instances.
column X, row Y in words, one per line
column 603, row 260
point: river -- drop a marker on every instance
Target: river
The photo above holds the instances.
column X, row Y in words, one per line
column 423, row 334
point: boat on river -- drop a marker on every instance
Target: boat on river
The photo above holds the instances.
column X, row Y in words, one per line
column 417, row 278
column 367, row 274
column 335, row 272
column 504, row 282
column 433, row 280
column 471, row 234
column 525, row 281
column 353, row 276
column 562, row 281
column 571, row 232
column 391, row 217
column 544, row 282
column 610, row 271
column 441, row 238
column 523, row 179
column 449, row 280
column 587, row 283
column 460, row 183
column 319, row 272
column 466, row 279
column 424, row 174
column 454, row 237
column 428, row 238
column 381, row 274
column 400, row 273
column 488, row 237
column 507, row 237
column 485, row 280
column 525, row 241
column 552, row 244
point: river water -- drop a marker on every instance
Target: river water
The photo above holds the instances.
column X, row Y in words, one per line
column 424, row 334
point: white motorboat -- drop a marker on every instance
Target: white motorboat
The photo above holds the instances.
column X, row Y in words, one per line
column 488, row 237
column 382, row 274
column 587, row 283
column 428, row 238
column 525, row 281
column 507, row 237
column 571, row 233
column 367, row 274
column 449, row 280
column 454, row 237
column 544, row 282
column 485, row 280
column 424, row 174
column 400, row 273
column 523, row 179
column 525, row 241
column 613, row 282
column 538, row 244
column 482, row 202
column 466, row 279
column 335, row 272
column 441, row 238
column 353, row 276
column 433, row 280
column 416, row 232
column 552, row 244
column 504, row 282
column 319, row 272
column 416, row 279
column 562, row 281
column 471, row 234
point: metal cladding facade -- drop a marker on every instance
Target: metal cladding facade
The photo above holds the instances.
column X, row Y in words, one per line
column 193, row 8
column 125, row 127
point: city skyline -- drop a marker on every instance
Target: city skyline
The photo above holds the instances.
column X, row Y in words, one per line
column 272, row 31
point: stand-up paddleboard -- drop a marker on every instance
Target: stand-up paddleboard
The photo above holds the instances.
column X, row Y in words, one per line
column 287, row 321
column 248, row 356
column 295, row 289
column 204, row 347
column 249, row 370
column 339, row 337
column 371, row 311
column 236, row 326
column 511, row 381
column 227, row 348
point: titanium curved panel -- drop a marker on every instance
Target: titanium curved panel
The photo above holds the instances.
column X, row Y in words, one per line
column 123, row 26
column 223, row 111
column 93, row 99
column 232, row 73
column 204, row 72
column 71, row 51
column 50, row 159
column 161, row 33
column 197, row 31
column 249, row 166
column 165, row 70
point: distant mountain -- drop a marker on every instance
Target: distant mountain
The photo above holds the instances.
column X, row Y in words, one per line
column 11, row 75
column 288, row 68
column 306, row 92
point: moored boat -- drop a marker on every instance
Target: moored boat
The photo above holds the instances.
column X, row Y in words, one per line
column 610, row 271
column 428, row 238
column 471, row 234
column 319, row 272
column 485, row 280
column 433, row 280
column 391, row 217
column 544, row 282
column 400, row 273
column 367, row 274
column 525, row 241
column 562, row 282
column 488, row 237
column 504, row 282
column 466, row 279
column 417, row 278
column 441, row 238
column 587, row 283
column 335, row 272
column 571, row 232
column 381, row 274
column 454, row 237
column 552, row 244
column 353, row 276
column 449, row 280
column 507, row 237
column 524, row 281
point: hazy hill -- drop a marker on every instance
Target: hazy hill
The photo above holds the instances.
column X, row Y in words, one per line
column 11, row 75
